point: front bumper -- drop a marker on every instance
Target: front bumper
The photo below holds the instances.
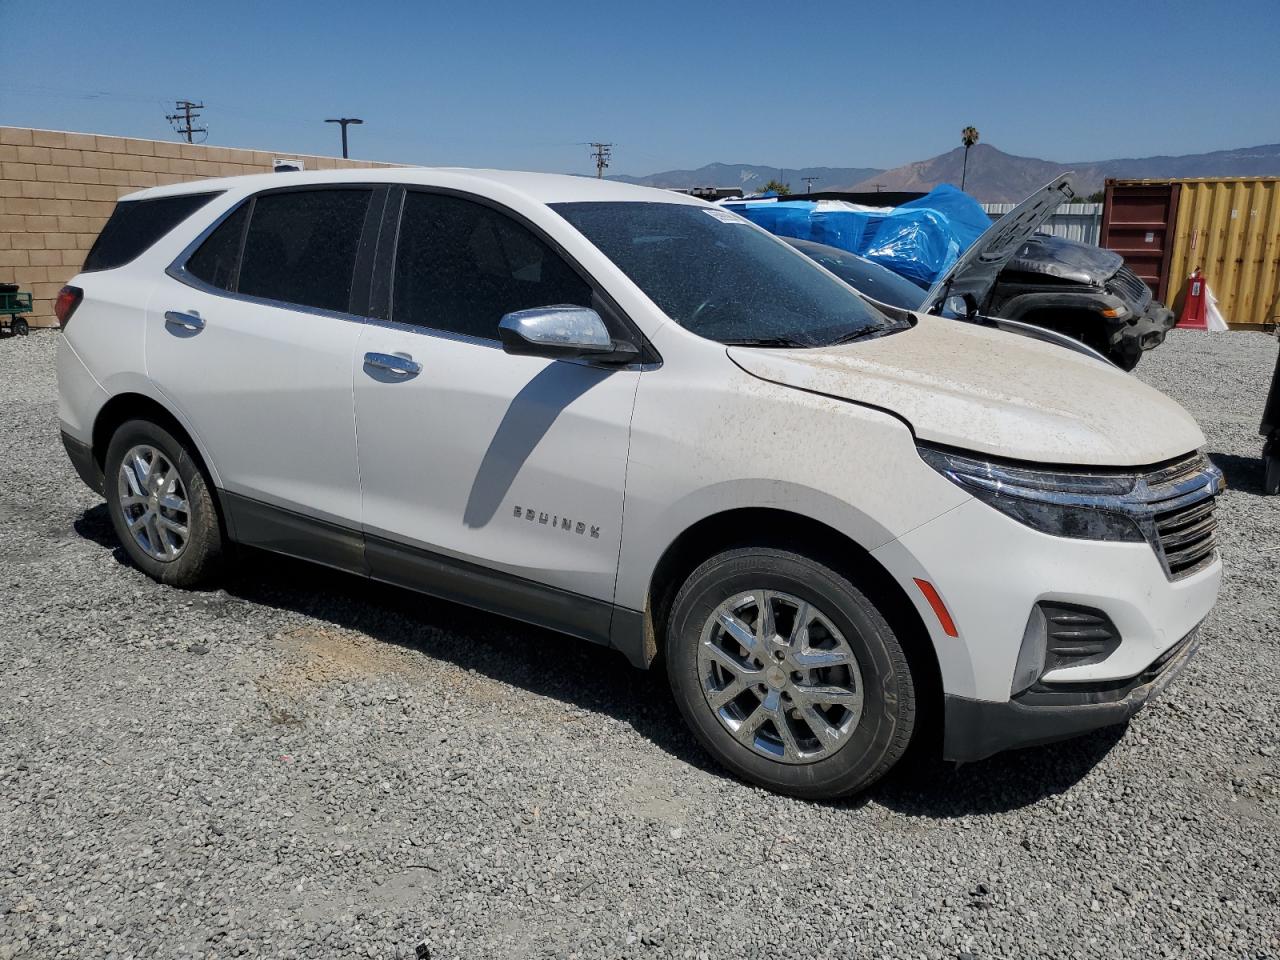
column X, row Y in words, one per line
column 976, row 729
column 1147, row 330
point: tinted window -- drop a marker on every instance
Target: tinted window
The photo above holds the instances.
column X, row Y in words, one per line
column 215, row 261
column 137, row 224
column 716, row 274
column 460, row 266
column 301, row 247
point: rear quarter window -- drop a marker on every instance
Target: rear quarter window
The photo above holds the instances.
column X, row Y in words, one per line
column 136, row 224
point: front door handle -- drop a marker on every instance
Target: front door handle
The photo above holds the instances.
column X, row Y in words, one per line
column 400, row 364
column 187, row 321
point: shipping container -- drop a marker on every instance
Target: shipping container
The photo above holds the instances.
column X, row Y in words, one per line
column 1229, row 228
column 1136, row 223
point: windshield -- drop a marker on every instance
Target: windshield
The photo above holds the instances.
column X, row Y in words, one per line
column 865, row 276
column 717, row 275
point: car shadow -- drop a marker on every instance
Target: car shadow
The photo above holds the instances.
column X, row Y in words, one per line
column 924, row 785
column 1244, row 474
column 595, row 678
column 532, row 412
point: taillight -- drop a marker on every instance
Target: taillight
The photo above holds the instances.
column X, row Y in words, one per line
column 68, row 299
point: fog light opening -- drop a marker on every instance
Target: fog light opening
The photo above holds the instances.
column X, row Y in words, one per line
column 1031, row 654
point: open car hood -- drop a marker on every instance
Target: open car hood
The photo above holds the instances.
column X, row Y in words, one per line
column 974, row 273
column 979, row 389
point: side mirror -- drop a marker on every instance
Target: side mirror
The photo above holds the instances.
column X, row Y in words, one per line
column 560, row 332
column 956, row 308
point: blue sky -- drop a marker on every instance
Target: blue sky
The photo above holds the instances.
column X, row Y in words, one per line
column 525, row 84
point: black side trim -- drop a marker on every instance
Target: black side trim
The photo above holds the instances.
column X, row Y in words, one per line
column 501, row 593
column 976, row 729
column 626, row 634
column 258, row 524
column 268, row 527
column 81, row 457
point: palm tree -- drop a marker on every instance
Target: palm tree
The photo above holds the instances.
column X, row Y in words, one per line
column 968, row 136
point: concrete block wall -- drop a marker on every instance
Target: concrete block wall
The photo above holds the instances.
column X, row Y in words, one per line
column 58, row 188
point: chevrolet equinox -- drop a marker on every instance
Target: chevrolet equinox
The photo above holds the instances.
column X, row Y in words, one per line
column 635, row 417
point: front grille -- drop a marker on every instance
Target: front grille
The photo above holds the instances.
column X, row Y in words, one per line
column 1188, row 537
column 1129, row 286
column 1183, row 525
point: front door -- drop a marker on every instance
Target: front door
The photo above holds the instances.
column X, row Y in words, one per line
column 472, row 460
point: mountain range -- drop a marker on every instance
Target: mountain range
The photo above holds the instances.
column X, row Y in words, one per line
column 993, row 175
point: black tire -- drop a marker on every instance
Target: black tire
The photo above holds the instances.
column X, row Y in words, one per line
column 1270, row 470
column 200, row 559
column 883, row 730
column 21, row 328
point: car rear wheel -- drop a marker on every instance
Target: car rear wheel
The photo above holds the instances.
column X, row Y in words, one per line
column 788, row 674
column 161, row 505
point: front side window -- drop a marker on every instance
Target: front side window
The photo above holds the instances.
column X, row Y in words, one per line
column 301, row 245
column 461, row 266
column 720, row 277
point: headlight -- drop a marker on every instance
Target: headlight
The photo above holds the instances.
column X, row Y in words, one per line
column 1079, row 504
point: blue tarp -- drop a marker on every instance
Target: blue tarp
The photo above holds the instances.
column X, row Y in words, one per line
column 919, row 240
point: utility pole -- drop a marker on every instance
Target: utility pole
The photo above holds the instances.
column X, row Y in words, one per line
column 345, row 121
column 808, row 183
column 185, row 111
column 603, row 153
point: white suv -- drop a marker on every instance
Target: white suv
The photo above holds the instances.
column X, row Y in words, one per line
column 637, row 418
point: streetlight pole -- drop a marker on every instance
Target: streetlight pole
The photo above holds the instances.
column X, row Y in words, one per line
column 344, row 121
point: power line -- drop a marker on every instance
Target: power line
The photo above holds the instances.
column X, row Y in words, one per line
column 603, row 153
column 186, row 112
column 809, row 182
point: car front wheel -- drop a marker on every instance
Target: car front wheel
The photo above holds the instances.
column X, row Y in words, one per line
column 161, row 506
column 788, row 674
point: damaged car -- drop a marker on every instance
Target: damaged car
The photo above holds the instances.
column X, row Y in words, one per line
column 1047, row 282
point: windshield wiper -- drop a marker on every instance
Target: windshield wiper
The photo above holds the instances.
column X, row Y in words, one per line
column 870, row 333
column 765, row 342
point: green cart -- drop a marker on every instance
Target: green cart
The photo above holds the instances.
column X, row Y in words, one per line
column 13, row 304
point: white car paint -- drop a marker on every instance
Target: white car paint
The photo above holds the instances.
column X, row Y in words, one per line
column 979, row 389
column 282, row 409
column 478, row 471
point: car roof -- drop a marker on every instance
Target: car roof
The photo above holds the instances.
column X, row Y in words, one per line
column 537, row 187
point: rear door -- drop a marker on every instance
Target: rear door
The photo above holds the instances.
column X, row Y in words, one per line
column 252, row 338
column 472, row 460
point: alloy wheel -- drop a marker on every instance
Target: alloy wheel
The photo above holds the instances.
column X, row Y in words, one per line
column 779, row 676
column 153, row 502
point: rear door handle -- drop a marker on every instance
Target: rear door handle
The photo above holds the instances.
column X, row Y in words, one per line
column 187, row 321
column 400, row 364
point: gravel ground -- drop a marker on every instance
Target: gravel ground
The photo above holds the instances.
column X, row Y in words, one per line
column 304, row 765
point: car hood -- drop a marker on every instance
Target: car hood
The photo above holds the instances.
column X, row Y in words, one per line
column 1066, row 260
column 974, row 274
column 979, row 389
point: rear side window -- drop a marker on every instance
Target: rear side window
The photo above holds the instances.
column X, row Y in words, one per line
column 301, row 246
column 215, row 262
column 460, row 266
column 136, row 224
